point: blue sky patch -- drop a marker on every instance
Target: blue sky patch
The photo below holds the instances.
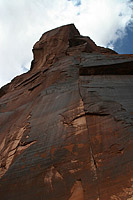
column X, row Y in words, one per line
column 125, row 45
column 76, row 2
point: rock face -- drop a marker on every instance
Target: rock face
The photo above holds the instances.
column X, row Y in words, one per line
column 66, row 125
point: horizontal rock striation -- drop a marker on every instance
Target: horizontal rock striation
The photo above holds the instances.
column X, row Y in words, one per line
column 66, row 125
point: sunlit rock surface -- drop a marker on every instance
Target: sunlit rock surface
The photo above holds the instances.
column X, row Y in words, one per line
column 66, row 125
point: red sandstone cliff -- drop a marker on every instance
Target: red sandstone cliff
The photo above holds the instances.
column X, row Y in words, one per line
column 66, row 125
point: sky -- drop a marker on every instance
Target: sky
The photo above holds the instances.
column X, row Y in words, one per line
column 108, row 23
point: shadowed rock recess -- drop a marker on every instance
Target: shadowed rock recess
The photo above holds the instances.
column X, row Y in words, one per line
column 66, row 125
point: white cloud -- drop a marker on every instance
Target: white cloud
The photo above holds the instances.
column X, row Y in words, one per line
column 23, row 22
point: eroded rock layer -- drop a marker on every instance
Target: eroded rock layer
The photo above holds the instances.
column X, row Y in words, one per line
column 66, row 125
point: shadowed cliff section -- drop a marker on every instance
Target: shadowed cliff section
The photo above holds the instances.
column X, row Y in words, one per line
column 66, row 125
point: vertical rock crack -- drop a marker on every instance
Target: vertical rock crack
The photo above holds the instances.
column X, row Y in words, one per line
column 93, row 161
